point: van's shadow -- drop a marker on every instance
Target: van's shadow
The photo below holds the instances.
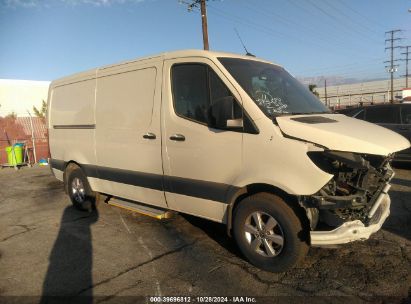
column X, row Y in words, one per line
column 399, row 221
column 70, row 262
column 402, row 182
column 215, row 231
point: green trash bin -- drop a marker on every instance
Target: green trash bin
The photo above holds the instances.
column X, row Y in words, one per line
column 17, row 158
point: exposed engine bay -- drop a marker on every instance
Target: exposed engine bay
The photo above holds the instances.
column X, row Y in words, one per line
column 358, row 182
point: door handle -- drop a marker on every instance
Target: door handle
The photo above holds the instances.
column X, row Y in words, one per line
column 178, row 137
column 149, row 135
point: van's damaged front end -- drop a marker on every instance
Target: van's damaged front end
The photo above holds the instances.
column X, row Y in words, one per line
column 354, row 203
column 356, row 155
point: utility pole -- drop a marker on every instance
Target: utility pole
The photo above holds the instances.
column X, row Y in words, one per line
column 407, row 52
column 392, row 67
column 325, row 91
column 203, row 9
column 204, row 24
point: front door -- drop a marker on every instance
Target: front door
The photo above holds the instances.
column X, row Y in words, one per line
column 201, row 156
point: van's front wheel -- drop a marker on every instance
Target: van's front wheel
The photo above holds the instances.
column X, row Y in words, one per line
column 269, row 233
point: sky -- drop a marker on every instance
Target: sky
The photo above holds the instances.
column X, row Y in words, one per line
column 48, row 39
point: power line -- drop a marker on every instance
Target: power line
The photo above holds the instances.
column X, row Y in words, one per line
column 305, row 28
column 333, row 18
column 267, row 30
column 349, row 17
column 297, row 4
column 249, row 23
column 361, row 15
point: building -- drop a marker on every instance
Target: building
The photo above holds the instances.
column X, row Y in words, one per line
column 19, row 96
column 364, row 92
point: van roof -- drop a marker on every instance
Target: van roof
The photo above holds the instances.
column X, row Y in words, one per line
column 165, row 55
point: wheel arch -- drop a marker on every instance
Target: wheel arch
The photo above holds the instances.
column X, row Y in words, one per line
column 246, row 191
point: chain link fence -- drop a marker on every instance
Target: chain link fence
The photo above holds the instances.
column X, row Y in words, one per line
column 29, row 131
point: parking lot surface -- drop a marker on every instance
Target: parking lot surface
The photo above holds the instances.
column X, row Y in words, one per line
column 49, row 248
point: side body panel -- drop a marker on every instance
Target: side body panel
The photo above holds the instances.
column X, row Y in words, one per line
column 272, row 159
column 71, row 122
column 127, row 108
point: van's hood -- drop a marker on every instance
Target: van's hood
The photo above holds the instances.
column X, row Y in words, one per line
column 343, row 133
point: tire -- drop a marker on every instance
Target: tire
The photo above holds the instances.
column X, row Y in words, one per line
column 79, row 191
column 280, row 244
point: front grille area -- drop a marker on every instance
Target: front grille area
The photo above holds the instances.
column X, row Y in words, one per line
column 357, row 183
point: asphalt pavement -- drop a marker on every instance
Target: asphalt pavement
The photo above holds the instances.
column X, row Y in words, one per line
column 47, row 248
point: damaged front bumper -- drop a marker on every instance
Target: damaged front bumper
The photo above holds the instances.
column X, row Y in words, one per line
column 354, row 203
column 354, row 230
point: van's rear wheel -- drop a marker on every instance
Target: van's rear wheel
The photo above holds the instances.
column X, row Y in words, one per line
column 79, row 191
column 269, row 232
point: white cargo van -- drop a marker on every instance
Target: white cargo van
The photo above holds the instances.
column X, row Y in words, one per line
column 233, row 139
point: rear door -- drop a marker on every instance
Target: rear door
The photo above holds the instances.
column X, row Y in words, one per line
column 200, row 162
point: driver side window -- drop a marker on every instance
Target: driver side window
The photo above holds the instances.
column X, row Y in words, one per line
column 201, row 96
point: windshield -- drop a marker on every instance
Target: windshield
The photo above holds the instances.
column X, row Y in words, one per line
column 273, row 89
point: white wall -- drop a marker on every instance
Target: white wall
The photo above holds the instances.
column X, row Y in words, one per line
column 21, row 95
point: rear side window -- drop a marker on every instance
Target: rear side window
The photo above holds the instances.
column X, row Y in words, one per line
column 406, row 114
column 200, row 95
column 384, row 115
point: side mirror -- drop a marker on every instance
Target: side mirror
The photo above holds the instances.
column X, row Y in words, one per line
column 222, row 114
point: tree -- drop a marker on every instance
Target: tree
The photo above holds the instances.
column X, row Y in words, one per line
column 12, row 115
column 312, row 88
column 42, row 112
